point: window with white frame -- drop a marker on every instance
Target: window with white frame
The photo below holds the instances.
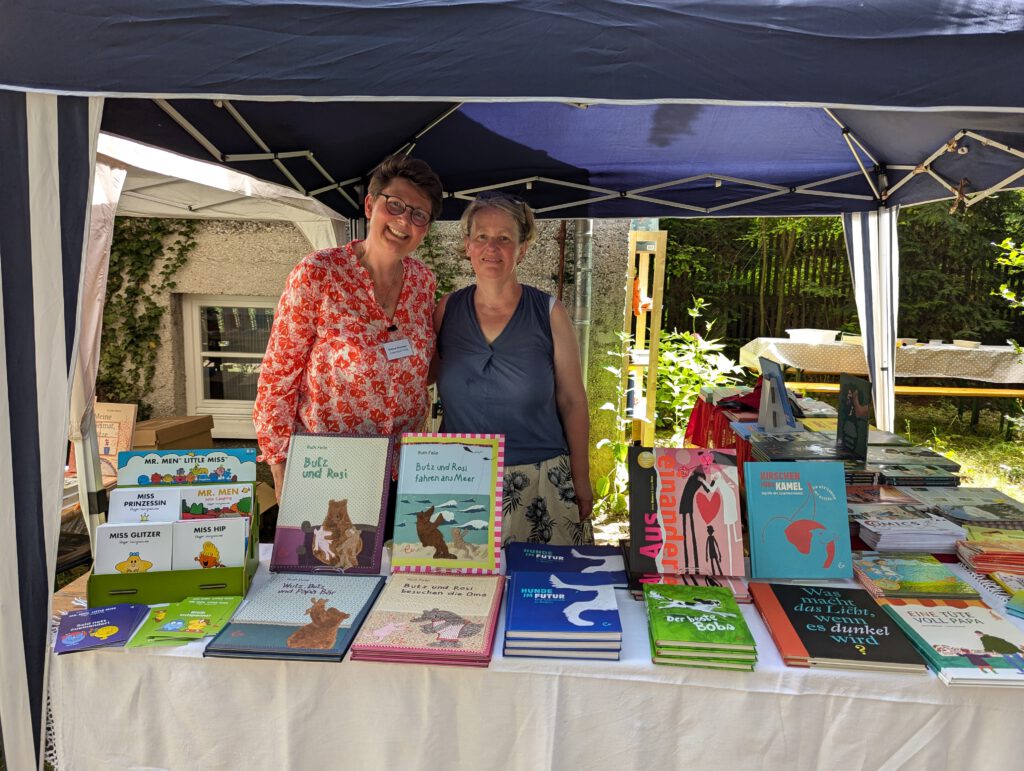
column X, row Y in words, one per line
column 225, row 340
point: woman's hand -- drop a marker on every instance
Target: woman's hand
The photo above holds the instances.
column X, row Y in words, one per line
column 584, row 497
column 277, row 472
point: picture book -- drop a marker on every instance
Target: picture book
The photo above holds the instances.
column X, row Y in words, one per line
column 109, row 626
column 1011, row 582
column 854, row 415
column 448, row 512
column 797, row 517
column 193, row 618
column 333, row 504
column 775, row 413
column 910, row 456
column 972, row 505
column 132, row 548
column 918, row 474
column 876, row 436
column 859, row 494
column 832, row 627
column 963, row 641
column 1015, row 605
column 433, row 618
column 706, row 617
column 684, row 512
column 635, row 580
column 561, row 606
column 600, row 561
column 297, row 616
column 143, row 468
column 115, row 427
column 217, row 501
column 128, row 505
column 203, row 544
column 909, row 574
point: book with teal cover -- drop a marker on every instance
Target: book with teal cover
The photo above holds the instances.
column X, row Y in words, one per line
column 705, row 617
column 298, row 616
column 186, row 467
column 909, row 574
column 797, row 520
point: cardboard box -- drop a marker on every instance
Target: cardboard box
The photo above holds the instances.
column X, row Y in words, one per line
column 186, row 432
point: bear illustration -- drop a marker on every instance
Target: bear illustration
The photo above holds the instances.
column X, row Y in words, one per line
column 430, row 534
column 322, row 629
column 337, row 542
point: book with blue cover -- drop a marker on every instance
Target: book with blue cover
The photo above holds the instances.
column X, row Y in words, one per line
column 106, row 627
column 298, row 616
column 604, row 561
column 561, row 606
column 796, row 514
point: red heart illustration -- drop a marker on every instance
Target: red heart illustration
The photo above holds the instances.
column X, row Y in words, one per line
column 708, row 504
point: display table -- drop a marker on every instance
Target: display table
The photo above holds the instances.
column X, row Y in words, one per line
column 171, row 709
column 986, row 363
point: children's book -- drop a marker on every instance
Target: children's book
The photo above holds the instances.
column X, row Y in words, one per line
column 217, row 501
column 909, row 574
column 333, row 504
column 1015, row 606
column 561, row 606
column 705, row 620
column 448, row 512
column 797, row 517
column 914, row 475
column 972, row 505
column 203, row 544
column 1011, row 582
column 604, row 562
column 133, row 548
column 775, row 413
column 964, row 641
column 106, row 627
column 635, row 580
column 297, row 616
column 861, row 494
column 143, row 468
column 433, row 618
column 910, row 456
column 832, row 627
column 876, row 436
column 684, row 512
column 854, row 415
column 193, row 618
column 130, row 505
column 115, row 427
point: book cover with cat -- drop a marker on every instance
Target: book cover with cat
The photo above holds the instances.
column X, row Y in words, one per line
column 448, row 511
column 684, row 512
column 796, row 513
column 545, row 606
column 832, row 627
column 333, row 504
column 297, row 616
column 433, row 618
column 600, row 561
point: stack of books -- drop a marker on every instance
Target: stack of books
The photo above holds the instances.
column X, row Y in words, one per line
column 107, row 627
column 698, row 626
column 603, row 561
column 179, row 622
column 989, row 549
column 861, row 494
column 837, row 628
column 914, row 475
column 973, row 505
column 901, row 527
column 964, row 642
column 908, row 574
column 562, row 615
column 909, row 456
column 1011, row 583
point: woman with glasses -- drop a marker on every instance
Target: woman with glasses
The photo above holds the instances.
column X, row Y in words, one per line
column 353, row 337
column 508, row 363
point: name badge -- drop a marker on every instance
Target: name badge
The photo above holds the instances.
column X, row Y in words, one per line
column 398, row 349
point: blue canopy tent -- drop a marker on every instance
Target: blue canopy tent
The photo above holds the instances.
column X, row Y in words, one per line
column 605, row 108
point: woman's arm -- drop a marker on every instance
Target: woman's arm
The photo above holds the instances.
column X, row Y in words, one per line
column 438, row 318
column 571, row 398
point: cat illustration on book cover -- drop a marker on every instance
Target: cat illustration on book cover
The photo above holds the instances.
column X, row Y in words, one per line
column 337, row 542
column 322, row 630
column 430, row 535
column 448, row 626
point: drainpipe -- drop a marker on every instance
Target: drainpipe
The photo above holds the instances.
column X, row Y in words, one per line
column 584, row 269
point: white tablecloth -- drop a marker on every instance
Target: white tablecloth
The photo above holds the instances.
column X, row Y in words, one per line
column 150, row 709
column 986, row 363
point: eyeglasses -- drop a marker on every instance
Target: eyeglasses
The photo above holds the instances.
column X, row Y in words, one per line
column 397, row 207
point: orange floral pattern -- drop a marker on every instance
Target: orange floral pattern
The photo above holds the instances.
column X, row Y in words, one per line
column 325, row 369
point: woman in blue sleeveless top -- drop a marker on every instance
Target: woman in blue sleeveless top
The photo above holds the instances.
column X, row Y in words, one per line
column 508, row 363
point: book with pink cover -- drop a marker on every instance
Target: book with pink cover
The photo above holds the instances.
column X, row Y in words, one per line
column 448, row 507
column 432, row 618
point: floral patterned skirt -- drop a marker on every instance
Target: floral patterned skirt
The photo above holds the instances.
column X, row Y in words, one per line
column 539, row 505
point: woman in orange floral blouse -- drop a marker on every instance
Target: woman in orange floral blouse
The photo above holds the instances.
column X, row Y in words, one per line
column 326, row 368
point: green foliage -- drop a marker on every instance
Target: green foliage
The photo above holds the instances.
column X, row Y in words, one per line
column 432, row 253
column 145, row 255
column 688, row 361
column 1013, row 259
column 611, row 489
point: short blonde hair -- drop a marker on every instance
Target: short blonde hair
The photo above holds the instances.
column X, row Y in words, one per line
column 515, row 207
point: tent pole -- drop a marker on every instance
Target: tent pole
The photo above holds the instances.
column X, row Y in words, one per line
column 92, row 494
column 584, row 239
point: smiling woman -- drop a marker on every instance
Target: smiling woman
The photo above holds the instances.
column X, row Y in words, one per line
column 352, row 338
column 507, row 363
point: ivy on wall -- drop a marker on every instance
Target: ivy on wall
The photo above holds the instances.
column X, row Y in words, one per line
column 145, row 255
